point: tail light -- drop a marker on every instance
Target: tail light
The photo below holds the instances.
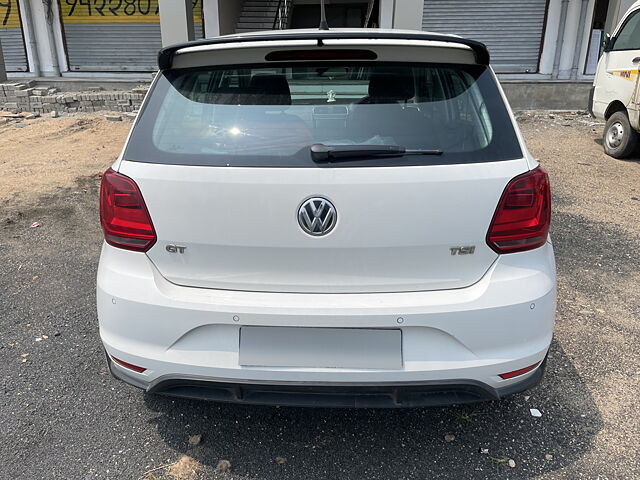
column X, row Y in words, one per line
column 519, row 372
column 124, row 216
column 522, row 219
column 130, row 366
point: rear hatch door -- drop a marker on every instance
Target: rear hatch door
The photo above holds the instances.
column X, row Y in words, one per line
column 222, row 155
column 398, row 229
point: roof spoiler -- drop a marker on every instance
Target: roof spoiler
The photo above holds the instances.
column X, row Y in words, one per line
column 165, row 56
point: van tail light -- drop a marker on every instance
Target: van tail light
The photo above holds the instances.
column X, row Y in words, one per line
column 522, row 219
column 123, row 214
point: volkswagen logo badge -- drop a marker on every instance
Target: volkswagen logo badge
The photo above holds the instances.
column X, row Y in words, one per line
column 317, row 216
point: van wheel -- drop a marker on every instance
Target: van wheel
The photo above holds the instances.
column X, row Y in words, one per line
column 620, row 139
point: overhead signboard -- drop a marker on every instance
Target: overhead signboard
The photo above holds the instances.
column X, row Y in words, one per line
column 117, row 11
column 9, row 14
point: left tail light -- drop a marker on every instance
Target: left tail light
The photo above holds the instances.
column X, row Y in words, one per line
column 521, row 221
column 123, row 214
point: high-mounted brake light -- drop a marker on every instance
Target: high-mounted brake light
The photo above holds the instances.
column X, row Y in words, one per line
column 521, row 221
column 123, row 214
column 320, row 55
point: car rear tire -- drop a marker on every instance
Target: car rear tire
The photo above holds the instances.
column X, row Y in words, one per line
column 620, row 140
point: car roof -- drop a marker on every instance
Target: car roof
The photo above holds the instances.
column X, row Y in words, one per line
column 633, row 7
column 166, row 54
column 372, row 32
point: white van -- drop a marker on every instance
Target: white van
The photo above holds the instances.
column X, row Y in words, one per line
column 614, row 96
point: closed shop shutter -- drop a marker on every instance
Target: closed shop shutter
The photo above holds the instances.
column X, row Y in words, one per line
column 511, row 29
column 116, row 35
column 13, row 49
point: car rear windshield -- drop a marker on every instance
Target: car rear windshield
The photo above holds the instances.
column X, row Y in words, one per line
column 270, row 116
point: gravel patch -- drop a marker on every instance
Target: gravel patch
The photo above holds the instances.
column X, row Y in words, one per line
column 64, row 416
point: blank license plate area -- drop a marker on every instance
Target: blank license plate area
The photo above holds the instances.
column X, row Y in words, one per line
column 321, row 347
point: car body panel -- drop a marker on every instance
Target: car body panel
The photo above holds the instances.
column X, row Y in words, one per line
column 241, row 232
column 386, row 270
column 501, row 323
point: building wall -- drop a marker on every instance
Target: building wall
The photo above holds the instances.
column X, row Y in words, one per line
column 3, row 74
column 46, row 54
column 567, row 45
column 550, row 39
column 221, row 16
column 408, row 14
column 560, row 66
column 575, row 33
column 49, row 43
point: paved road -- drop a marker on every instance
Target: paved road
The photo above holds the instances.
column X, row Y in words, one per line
column 64, row 416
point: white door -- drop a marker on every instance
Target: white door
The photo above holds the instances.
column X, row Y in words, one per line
column 620, row 65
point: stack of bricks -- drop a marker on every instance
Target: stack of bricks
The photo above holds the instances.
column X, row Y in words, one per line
column 26, row 97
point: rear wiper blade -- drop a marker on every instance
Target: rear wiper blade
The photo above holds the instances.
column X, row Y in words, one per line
column 322, row 153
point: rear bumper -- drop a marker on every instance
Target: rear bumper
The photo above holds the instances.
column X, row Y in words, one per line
column 455, row 343
column 427, row 394
column 590, row 102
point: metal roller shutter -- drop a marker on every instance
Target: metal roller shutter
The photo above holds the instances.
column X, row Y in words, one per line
column 511, row 29
column 129, row 47
column 116, row 41
column 13, row 49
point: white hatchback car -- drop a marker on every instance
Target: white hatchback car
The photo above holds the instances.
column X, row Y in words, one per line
column 337, row 218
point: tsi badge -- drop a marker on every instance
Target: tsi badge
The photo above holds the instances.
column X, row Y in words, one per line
column 175, row 249
column 463, row 250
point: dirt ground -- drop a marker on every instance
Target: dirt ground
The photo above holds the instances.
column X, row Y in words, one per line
column 65, row 417
column 43, row 155
column 607, row 190
column 600, row 295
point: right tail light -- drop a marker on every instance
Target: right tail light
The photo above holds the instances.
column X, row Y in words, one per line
column 522, row 219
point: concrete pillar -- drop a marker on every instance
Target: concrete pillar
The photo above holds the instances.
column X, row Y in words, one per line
column 566, row 41
column 552, row 32
column 401, row 14
column 221, row 17
column 575, row 41
column 211, row 17
column 408, row 14
column 3, row 71
column 31, row 45
column 582, row 39
column 176, row 21
column 387, row 10
column 44, row 34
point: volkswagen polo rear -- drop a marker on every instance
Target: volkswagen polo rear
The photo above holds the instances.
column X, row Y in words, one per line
column 327, row 218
